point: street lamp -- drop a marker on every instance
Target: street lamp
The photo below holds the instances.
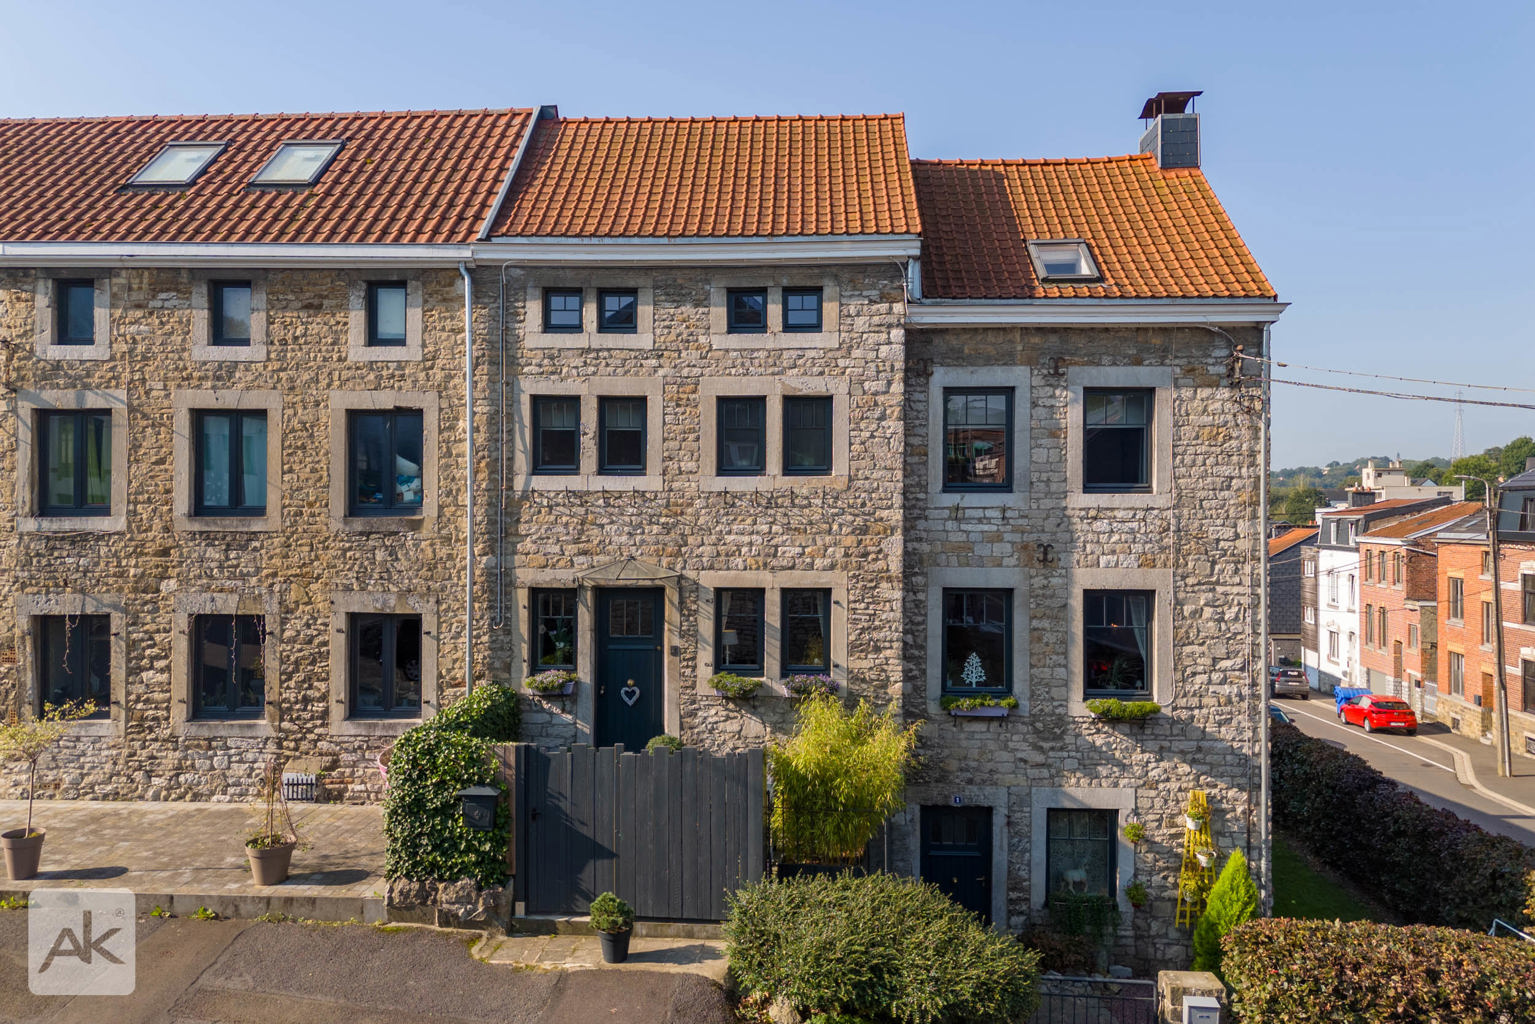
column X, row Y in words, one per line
column 1500, row 691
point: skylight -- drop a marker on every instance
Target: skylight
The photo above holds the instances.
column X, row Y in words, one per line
column 1063, row 260
column 179, row 163
column 297, row 163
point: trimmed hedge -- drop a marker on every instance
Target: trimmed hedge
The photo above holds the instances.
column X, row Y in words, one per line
column 1288, row 972
column 1425, row 864
column 876, row 947
column 490, row 712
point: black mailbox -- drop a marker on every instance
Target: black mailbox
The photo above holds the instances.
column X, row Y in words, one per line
column 479, row 805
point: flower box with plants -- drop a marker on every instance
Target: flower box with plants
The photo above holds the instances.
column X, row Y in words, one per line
column 27, row 742
column 1112, row 709
column 270, row 847
column 554, row 682
column 728, row 684
column 613, row 921
column 803, row 685
column 979, row 707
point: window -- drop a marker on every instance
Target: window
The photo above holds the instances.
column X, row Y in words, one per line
column 746, row 310
column 977, row 423
column 1527, row 677
column 1352, row 591
column 1079, row 851
column 386, row 458
column 75, row 467
column 1397, row 575
column 228, row 667
column 977, row 641
column 1116, row 431
column 1457, row 609
column 1527, row 591
column 229, row 463
column 74, row 661
column 556, row 434
column 297, row 163
column 1332, row 589
column 1065, row 260
column 1332, row 645
column 1116, row 642
column 385, row 678
column 562, row 311
column 179, row 163
column 1487, row 623
column 1369, row 625
column 621, row 436
column 554, row 630
column 1310, row 615
column 1368, row 562
column 1380, row 628
column 801, row 309
column 1486, row 563
column 618, row 311
column 1309, row 567
column 386, row 314
column 806, row 628
column 230, row 308
column 738, row 631
column 742, row 434
column 75, row 308
column 1380, row 566
column 1412, row 637
column 1457, row 674
column 807, row 435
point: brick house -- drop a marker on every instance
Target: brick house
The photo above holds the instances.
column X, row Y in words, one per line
column 1286, row 605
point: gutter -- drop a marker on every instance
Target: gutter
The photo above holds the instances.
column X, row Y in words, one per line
column 228, row 254
column 798, row 249
column 463, row 269
column 1128, row 312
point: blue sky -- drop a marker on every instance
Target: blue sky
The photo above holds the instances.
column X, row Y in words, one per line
column 1377, row 157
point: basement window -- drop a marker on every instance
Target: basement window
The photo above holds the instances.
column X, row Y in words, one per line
column 179, row 163
column 1064, row 260
column 297, row 163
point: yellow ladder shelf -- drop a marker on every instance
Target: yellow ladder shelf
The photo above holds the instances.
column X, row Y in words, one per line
column 1195, row 879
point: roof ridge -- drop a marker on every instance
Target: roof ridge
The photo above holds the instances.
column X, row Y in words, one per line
column 1034, row 161
column 705, row 118
column 255, row 115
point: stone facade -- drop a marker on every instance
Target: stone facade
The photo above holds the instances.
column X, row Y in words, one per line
column 152, row 565
column 1194, row 541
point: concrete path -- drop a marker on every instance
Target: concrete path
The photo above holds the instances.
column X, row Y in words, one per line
column 1445, row 770
column 182, row 855
column 584, row 952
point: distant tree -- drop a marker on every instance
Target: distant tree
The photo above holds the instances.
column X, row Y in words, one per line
column 1473, row 465
column 1301, row 505
column 1514, row 455
column 1425, row 470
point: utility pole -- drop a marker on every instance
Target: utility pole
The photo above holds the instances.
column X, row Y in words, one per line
column 1500, row 688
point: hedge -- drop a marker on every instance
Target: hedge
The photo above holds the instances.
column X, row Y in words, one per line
column 490, row 712
column 876, row 947
column 1288, row 972
column 1426, row 865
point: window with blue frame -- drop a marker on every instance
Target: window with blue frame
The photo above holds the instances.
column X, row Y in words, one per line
column 801, row 309
column 742, row 436
column 977, row 654
column 556, row 434
column 562, row 311
column 74, row 661
column 386, row 459
column 618, row 311
column 739, row 629
column 386, row 314
column 807, row 435
column 746, row 310
column 229, row 463
column 621, row 436
column 977, row 435
column 385, row 680
column 228, row 669
column 74, row 463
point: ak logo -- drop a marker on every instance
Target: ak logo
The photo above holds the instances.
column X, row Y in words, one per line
column 81, row 942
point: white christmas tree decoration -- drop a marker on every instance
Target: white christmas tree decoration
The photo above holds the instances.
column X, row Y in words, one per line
column 974, row 674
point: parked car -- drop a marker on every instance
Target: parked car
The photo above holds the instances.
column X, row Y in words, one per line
column 1374, row 711
column 1277, row 713
column 1289, row 682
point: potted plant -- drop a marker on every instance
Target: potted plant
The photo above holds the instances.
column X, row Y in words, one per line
column 1136, row 893
column 270, row 847
column 613, row 920
column 28, row 741
column 1194, row 818
column 1134, row 831
column 803, row 685
column 554, row 682
column 978, row 707
column 1205, row 856
column 728, row 684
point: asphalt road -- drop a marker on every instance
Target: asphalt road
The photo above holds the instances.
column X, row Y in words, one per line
column 1416, row 763
column 242, row 972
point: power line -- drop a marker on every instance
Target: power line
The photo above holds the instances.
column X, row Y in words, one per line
column 1404, row 395
column 1386, row 376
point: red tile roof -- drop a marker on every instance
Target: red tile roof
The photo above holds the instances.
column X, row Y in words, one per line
column 712, row 178
column 1154, row 233
column 1410, row 526
column 1287, row 540
column 1378, row 506
column 413, row 176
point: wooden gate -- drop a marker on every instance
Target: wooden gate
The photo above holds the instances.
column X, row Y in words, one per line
column 670, row 832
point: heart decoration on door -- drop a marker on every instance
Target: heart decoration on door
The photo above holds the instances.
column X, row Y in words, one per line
column 630, row 694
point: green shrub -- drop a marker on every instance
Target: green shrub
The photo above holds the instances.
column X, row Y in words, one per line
column 1288, row 971
column 953, row 703
column 424, row 830
column 876, row 947
column 1529, row 906
column 1116, row 710
column 1134, row 832
column 1424, row 864
column 1059, row 952
column 837, row 779
column 664, row 743
column 490, row 712
column 611, row 914
column 738, row 687
column 1233, row 899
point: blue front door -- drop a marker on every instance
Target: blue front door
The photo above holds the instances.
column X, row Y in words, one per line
column 631, row 697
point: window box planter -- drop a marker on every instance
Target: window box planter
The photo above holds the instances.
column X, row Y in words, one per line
column 734, row 687
column 553, row 683
column 806, row 685
column 979, row 707
column 1112, row 709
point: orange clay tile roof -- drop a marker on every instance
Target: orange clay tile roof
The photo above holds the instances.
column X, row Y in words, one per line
column 1411, row 526
column 1154, row 233
column 713, row 178
column 407, row 177
column 1287, row 540
column 1379, row 506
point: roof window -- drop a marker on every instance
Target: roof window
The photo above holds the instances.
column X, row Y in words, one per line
column 1063, row 260
column 179, row 163
column 297, row 163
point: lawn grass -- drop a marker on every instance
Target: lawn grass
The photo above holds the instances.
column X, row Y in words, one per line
column 1300, row 890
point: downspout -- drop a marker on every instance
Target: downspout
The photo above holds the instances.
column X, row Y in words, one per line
column 468, row 478
column 1265, row 840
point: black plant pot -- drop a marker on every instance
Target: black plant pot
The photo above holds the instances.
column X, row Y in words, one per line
column 615, row 946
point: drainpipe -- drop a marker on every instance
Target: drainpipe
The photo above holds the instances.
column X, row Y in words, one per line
column 1265, row 864
column 468, row 478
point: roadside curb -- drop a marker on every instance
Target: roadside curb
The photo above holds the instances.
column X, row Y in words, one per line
column 1465, row 774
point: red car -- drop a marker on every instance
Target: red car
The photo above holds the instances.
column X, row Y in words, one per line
column 1374, row 711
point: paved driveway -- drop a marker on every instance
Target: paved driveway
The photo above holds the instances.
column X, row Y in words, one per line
column 242, row 972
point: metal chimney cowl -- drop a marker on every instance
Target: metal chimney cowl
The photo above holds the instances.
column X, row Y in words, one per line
column 1173, row 135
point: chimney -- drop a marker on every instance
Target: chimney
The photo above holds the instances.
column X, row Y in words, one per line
column 1529, row 463
column 1172, row 135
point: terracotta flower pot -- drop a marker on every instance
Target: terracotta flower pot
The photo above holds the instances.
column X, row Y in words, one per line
column 269, row 866
column 615, row 946
column 22, row 852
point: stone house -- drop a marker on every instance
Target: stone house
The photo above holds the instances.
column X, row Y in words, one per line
column 1285, row 605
